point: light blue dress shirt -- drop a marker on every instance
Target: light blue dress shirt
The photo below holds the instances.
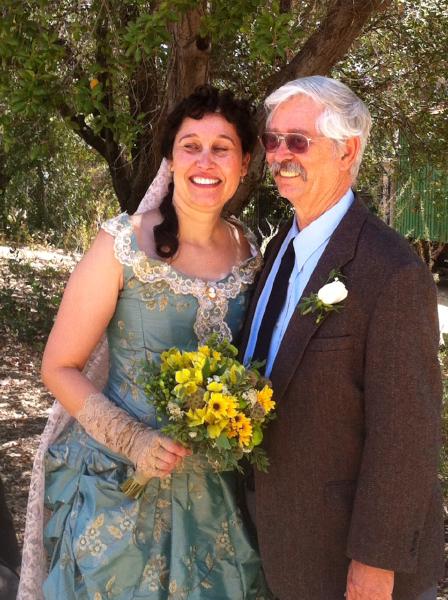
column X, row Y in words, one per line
column 309, row 245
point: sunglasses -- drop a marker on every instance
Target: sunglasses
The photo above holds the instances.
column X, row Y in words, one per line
column 295, row 142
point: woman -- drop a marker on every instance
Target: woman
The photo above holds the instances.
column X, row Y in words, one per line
column 167, row 277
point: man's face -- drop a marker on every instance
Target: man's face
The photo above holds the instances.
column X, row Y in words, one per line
column 318, row 175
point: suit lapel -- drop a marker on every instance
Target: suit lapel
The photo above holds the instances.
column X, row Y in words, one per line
column 340, row 250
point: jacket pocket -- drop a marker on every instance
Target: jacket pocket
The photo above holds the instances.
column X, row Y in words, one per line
column 321, row 344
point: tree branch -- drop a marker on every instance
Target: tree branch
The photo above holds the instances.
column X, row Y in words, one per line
column 119, row 168
column 80, row 127
column 340, row 27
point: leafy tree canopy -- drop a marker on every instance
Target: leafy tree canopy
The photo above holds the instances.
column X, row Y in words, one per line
column 111, row 69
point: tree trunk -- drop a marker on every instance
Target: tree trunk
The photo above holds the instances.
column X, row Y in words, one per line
column 189, row 67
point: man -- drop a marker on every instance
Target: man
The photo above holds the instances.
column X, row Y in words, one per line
column 351, row 503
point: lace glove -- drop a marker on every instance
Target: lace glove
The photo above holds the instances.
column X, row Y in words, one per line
column 153, row 454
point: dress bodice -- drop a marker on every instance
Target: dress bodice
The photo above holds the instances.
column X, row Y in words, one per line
column 159, row 308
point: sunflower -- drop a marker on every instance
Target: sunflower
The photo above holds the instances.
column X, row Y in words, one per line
column 242, row 426
column 264, row 397
column 217, row 407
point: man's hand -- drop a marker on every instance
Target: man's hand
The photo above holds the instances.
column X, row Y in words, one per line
column 368, row 583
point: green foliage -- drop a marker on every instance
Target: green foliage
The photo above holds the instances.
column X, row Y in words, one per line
column 225, row 19
column 29, row 299
column 55, row 190
column 272, row 34
column 398, row 68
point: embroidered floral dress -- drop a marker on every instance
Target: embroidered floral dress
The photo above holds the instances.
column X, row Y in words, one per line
column 184, row 538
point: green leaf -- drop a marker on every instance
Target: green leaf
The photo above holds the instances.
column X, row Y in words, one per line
column 257, row 436
column 222, row 442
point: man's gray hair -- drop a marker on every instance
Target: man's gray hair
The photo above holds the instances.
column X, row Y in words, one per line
column 344, row 115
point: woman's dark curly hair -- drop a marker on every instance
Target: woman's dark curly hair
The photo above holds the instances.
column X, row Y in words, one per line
column 205, row 100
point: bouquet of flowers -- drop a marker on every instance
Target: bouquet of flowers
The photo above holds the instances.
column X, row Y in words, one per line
column 212, row 404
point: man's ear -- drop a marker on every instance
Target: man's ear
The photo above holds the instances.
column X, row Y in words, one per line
column 349, row 153
column 245, row 164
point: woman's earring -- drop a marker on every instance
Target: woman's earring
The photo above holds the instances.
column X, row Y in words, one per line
column 242, row 178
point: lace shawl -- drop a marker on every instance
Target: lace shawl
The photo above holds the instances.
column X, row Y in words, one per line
column 34, row 561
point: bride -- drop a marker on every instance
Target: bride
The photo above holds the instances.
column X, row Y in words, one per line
column 168, row 276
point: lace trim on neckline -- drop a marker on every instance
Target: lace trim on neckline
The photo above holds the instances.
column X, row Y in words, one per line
column 212, row 296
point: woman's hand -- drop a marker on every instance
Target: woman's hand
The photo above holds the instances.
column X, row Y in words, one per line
column 159, row 455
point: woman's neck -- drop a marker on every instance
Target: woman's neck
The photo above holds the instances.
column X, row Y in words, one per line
column 196, row 227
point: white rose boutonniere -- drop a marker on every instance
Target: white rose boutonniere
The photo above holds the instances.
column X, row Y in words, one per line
column 333, row 293
column 328, row 298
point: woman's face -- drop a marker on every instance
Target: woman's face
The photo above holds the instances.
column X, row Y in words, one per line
column 207, row 162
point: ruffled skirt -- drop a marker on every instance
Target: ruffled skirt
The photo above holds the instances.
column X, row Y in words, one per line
column 184, row 538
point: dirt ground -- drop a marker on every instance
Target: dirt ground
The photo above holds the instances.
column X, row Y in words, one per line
column 25, row 295
column 24, row 403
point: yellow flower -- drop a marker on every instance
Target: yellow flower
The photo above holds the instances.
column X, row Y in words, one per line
column 183, row 376
column 242, row 426
column 215, row 386
column 204, row 350
column 214, row 361
column 214, row 430
column 232, row 406
column 196, row 417
column 185, row 389
column 197, row 375
column 264, row 397
column 93, row 83
column 171, row 359
column 197, row 359
column 245, row 432
column 221, row 406
column 217, row 407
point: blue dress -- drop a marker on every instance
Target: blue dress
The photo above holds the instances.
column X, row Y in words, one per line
column 184, row 538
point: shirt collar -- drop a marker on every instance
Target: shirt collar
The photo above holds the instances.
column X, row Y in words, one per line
column 308, row 240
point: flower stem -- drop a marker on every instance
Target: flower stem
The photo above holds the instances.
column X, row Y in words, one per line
column 134, row 486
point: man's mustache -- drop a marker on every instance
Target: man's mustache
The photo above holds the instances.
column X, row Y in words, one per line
column 290, row 166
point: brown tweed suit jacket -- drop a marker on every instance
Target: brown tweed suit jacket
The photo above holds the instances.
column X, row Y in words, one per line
column 354, row 451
